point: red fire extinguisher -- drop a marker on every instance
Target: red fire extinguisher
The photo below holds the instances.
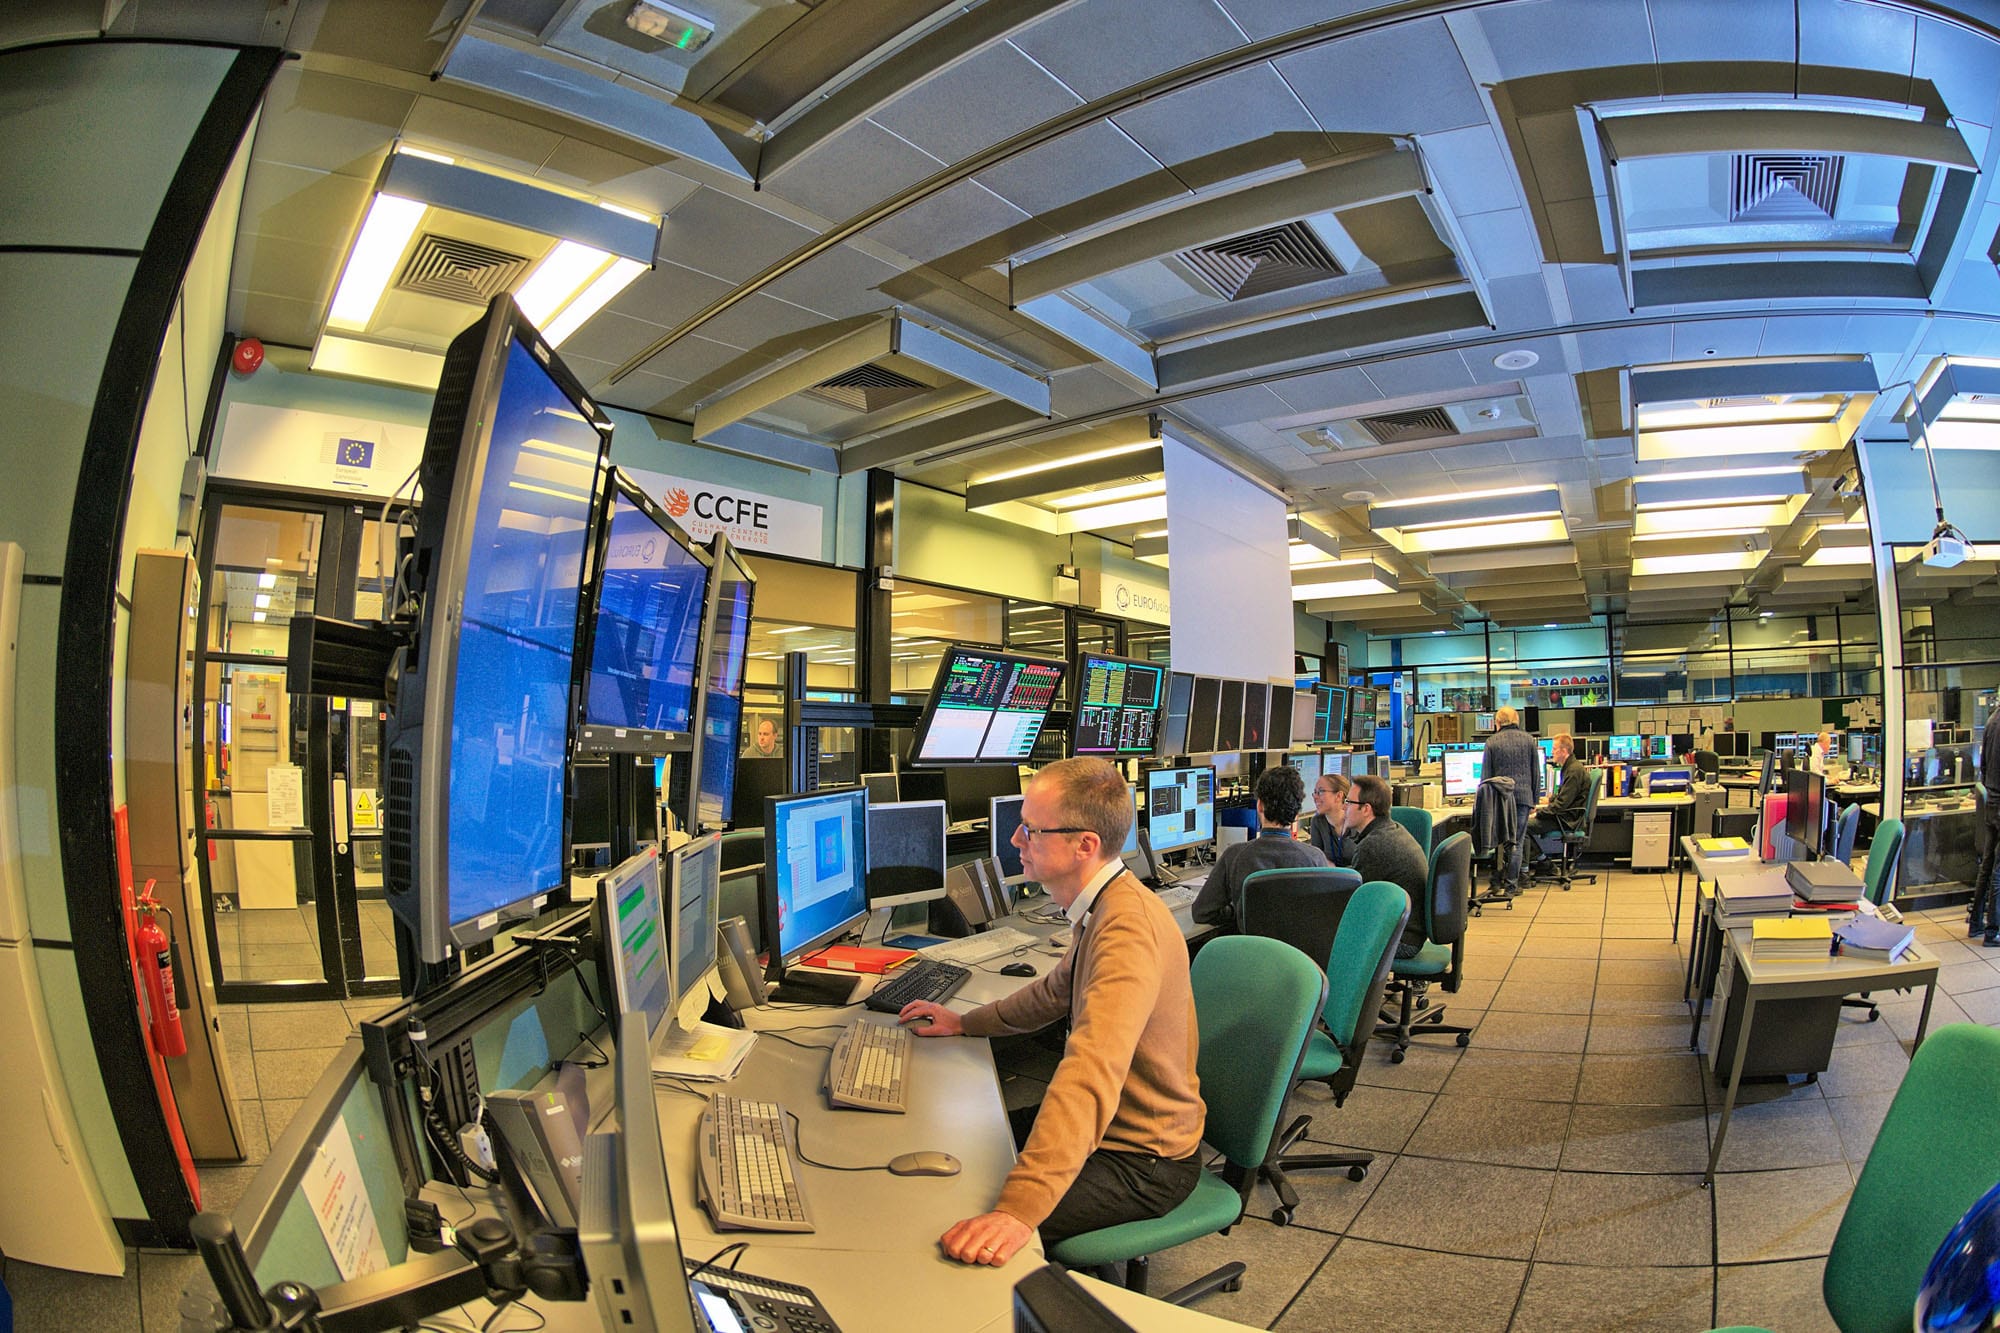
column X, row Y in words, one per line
column 157, row 965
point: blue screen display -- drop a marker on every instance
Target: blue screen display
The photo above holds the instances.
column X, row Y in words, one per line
column 728, row 642
column 642, row 656
column 516, row 641
column 818, row 874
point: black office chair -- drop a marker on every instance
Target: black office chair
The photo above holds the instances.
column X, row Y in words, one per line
column 1442, row 959
column 1572, row 841
column 1493, row 807
column 1709, row 764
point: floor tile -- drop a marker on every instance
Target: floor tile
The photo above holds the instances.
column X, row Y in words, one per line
column 1564, row 1298
column 1858, row 1119
column 161, row 1280
column 1656, row 1079
column 1541, row 945
column 1622, row 1221
column 1366, row 1287
column 1546, row 1076
column 1653, row 950
column 278, row 1115
column 291, row 1030
column 1328, row 1200
column 1780, row 1296
column 292, row 1073
column 1503, row 1131
column 1642, row 972
column 1635, row 1034
column 1542, row 997
column 1374, row 1119
column 55, row 1298
column 1277, row 1261
column 1425, row 1066
column 1878, row 1067
column 1617, row 997
column 1790, row 1133
column 1580, row 973
column 1533, row 1032
column 1658, row 1139
column 1763, row 1215
column 1463, row 1207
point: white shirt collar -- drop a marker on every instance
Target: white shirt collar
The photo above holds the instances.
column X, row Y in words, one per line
column 1079, row 910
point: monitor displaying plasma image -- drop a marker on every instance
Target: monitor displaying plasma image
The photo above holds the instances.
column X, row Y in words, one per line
column 1484, row 722
column 645, row 629
column 1229, row 717
column 1174, row 723
column 1180, row 808
column 732, row 590
column 1256, row 714
column 905, row 852
column 632, row 916
column 1202, row 713
column 1462, row 770
column 815, row 886
column 1117, row 710
column 987, row 706
column 694, row 901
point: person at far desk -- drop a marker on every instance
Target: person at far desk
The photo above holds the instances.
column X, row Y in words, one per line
column 1821, row 753
column 1280, row 792
column 1323, row 829
column 1985, row 914
column 1512, row 753
column 1562, row 812
column 1380, row 848
column 1118, row 1135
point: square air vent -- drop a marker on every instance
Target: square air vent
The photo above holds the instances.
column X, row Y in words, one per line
column 1424, row 423
column 1263, row 261
column 460, row 270
column 867, row 389
column 1783, row 187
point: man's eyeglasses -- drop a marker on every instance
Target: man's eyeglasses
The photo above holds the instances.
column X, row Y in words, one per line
column 1351, row 801
column 1029, row 831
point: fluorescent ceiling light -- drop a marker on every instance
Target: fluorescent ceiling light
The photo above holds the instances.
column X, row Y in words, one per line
column 1033, row 468
column 1839, row 555
column 1338, row 588
column 560, row 276
column 1695, row 564
column 262, row 601
column 258, row 616
column 1152, row 509
column 384, row 235
column 1658, row 506
column 267, row 580
column 1155, row 532
column 1951, row 433
column 789, row 629
column 335, row 355
column 1769, row 414
column 592, row 299
column 1710, row 518
column 1472, row 536
column 1132, row 491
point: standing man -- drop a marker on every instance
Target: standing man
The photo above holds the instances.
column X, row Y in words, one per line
column 1512, row 753
column 1986, row 884
column 1280, row 792
column 1380, row 848
column 1821, row 753
column 1562, row 812
column 1323, row 829
column 1118, row 1135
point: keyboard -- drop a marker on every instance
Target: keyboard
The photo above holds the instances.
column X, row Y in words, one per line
column 865, row 1070
column 978, row 948
column 1177, row 895
column 748, row 1180
column 921, row 979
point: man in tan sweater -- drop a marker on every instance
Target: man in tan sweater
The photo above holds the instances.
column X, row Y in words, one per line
column 1118, row 1135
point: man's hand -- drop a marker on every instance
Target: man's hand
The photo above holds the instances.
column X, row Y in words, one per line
column 991, row 1238
column 943, row 1022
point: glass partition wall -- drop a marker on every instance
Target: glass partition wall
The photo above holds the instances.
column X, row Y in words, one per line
column 1950, row 628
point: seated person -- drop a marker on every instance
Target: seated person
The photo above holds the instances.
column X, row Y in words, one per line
column 1380, row 848
column 1280, row 791
column 1323, row 829
column 1562, row 812
column 1118, row 1135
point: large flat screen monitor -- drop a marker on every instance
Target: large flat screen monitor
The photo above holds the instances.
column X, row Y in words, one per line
column 969, row 787
column 1117, row 710
column 1202, row 714
column 478, row 741
column 1623, row 747
column 1805, row 815
column 694, row 896
column 1305, row 717
column 815, row 884
column 1361, row 720
column 1174, row 724
column 905, row 852
column 1332, row 714
column 1229, row 717
column 1658, row 747
column 1180, row 808
column 1594, row 721
column 1256, row 714
column 645, row 633
column 1461, row 771
column 987, row 706
column 732, row 591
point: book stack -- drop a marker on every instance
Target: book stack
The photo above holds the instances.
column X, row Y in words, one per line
column 1874, row 939
column 1824, row 884
column 1746, row 897
column 1722, row 846
column 1790, row 939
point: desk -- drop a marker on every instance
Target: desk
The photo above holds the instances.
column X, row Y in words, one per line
column 1782, row 981
column 1705, row 867
column 1682, row 807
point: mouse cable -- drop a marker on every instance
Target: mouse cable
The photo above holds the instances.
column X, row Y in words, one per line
column 798, row 1132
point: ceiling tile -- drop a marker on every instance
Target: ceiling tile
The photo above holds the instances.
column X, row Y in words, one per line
column 1436, row 372
column 1554, row 363
column 1546, row 449
column 840, row 282
column 608, row 337
column 1554, row 148
column 1268, row 18
column 329, row 123
column 1803, row 335
column 1475, row 175
column 1594, row 293
column 851, row 172
column 1687, row 31
column 487, row 136
column 1256, row 403
column 1405, row 79
column 1227, row 127
column 726, row 237
column 668, row 294
column 1503, row 244
column 1844, row 35
column 1325, row 390
column 1723, row 338
column 616, row 178
column 758, row 320
column 298, row 204
column 976, row 103
column 278, row 319
column 1094, row 167
column 1545, row 37
column 1105, row 45
column 1520, row 303
column 1601, row 349
column 967, row 223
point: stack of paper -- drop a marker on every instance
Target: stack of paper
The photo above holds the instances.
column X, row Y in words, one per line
column 1722, row 846
column 1820, row 883
column 1761, row 893
column 1874, row 939
column 1790, row 939
column 705, row 1052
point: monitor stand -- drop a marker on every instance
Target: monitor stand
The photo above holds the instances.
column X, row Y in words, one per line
column 797, row 986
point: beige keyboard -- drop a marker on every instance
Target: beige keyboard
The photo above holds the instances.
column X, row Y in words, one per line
column 866, row 1069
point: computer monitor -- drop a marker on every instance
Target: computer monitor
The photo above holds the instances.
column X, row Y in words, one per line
column 1805, row 816
column 645, row 629
column 969, row 789
column 1484, row 722
column 477, row 744
column 1361, row 719
column 1624, row 747
column 1547, row 745
column 1280, row 731
column 732, row 591
column 987, row 706
column 1229, row 717
column 1333, row 720
column 755, row 780
column 1202, row 711
column 1256, row 714
column 1174, row 721
column 1180, row 808
column 1735, row 744
column 1593, row 721
column 1305, row 717
column 815, row 885
column 1003, row 817
column 694, row 899
column 1118, row 700
column 905, row 852
column 1658, row 747
column 1461, row 772
column 632, row 916
column 1310, row 770
column 881, row 787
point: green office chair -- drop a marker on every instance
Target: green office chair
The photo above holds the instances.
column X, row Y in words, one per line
column 1255, row 1000
column 1571, row 842
column 1937, row 1152
column 1878, row 882
column 1328, row 914
column 1442, row 959
column 1418, row 822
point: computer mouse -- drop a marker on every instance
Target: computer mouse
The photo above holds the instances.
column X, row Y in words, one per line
column 1018, row 970
column 926, row 1163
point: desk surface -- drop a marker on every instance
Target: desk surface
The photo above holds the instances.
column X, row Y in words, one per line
column 1679, row 801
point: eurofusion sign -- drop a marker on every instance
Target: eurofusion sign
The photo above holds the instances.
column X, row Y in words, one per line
column 1132, row 599
column 751, row 520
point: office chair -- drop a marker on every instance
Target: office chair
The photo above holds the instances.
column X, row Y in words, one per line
column 1330, row 914
column 1709, row 764
column 1845, row 829
column 1255, row 1001
column 1570, row 842
column 1417, row 821
column 1877, row 882
column 1493, row 808
column 1937, row 1153
column 1442, row 958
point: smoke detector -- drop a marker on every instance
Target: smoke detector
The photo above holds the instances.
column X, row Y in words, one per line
column 1518, row 359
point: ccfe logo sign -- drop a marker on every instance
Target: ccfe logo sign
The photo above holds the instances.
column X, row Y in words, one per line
column 749, row 519
column 677, row 502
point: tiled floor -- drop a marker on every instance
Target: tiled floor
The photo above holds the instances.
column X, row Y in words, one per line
column 1545, row 1178
column 282, row 943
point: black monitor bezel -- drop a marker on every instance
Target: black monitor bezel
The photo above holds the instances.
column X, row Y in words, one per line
column 916, row 758
column 1168, row 746
column 1212, row 713
column 720, row 548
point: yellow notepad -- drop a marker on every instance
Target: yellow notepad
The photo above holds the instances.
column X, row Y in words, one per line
column 1791, row 928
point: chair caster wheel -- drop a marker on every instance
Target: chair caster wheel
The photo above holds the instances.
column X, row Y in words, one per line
column 1396, row 1055
column 1234, row 1284
column 1357, row 1174
column 1874, row 1014
column 1465, row 1039
column 1282, row 1216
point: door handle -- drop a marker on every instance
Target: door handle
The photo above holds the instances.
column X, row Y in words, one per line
column 340, row 813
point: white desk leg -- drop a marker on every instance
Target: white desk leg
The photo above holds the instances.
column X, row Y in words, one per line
column 1735, row 1080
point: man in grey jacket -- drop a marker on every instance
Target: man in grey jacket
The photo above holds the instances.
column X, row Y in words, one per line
column 1380, row 848
column 1512, row 753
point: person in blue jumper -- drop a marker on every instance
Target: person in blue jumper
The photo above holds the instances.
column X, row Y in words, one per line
column 1280, row 791
column 1512, row 753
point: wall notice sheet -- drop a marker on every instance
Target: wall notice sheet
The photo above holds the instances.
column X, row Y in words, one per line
column 284, row 788
column 339, row 1200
